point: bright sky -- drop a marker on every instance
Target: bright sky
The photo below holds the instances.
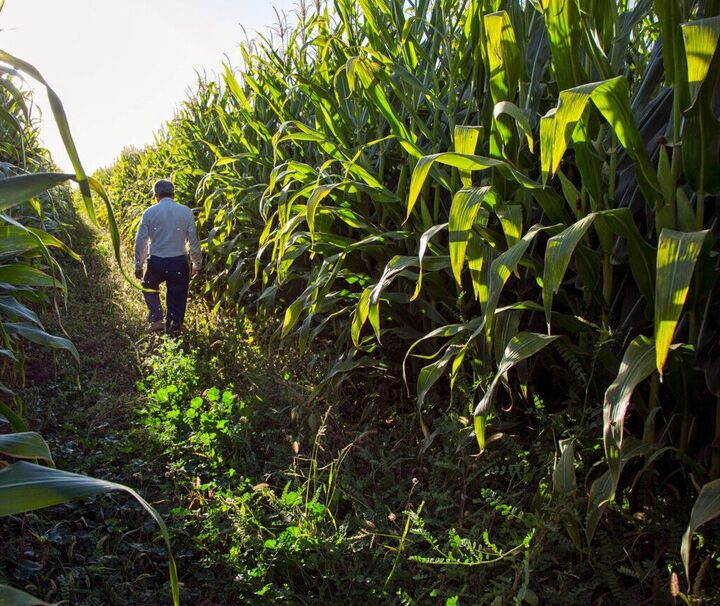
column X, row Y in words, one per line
column 122, row 68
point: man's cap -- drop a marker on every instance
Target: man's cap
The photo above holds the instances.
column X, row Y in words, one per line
column 163, row 187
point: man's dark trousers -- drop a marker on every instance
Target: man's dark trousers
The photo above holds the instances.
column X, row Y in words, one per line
column 175, row 271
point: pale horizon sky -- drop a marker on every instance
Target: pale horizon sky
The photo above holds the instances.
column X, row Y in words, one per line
column 122, row 69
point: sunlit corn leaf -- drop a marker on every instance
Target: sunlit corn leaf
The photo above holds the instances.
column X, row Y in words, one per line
column 464, row 209
column 511, row 219
column 62, row 123
column 15, row 190
column 612, row 99
column 702, row 127
column 465, row 141
column 17, row 239
column 562, row 20
column 558, row 252
column 26, row 487
column 520, row 118
column 503, row 55
column 676, row 257
column 20, row 274
column 466, row 162
column 25, row 445
column 504, row 265
column 522, row 346
column 706, row 507
column 447, row 331
column 422, row 248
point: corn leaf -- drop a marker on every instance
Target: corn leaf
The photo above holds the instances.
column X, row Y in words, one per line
column 9, row 596
column 564, row 482
column 521, row 347
column 706, row 507
column 18, row 189
column 676, row 258
column 466, row 162
column 39, row 336
column 637, row 365
column 62, row 123
column 25, row 445
column 26, row 487
column 463, row 212
column 521, row 120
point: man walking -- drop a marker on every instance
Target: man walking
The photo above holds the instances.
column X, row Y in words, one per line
column 164, row 230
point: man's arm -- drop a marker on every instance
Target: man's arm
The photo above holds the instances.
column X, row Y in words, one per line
column 142, row 242
column 194, row 245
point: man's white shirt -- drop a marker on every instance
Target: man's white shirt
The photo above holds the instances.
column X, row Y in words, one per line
column 164, row 230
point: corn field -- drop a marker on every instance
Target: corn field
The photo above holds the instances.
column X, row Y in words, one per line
column 507, row 205
column 506, row 209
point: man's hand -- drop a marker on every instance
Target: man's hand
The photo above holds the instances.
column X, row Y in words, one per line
column 138, row 273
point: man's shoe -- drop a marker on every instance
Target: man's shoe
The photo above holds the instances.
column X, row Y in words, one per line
column 156, row 326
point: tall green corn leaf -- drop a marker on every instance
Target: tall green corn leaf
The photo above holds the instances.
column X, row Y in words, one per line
column 62, row 123
column 702, row 126
column 464, row 209
column 676, row 257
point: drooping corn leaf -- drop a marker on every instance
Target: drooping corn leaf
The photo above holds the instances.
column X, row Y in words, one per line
column 39, row 336
column 466, row 162
column 26, row 275
column 637, row 365
column 62, row 124
column 521, row 120
column 422, row 248
column 557, row 257
column 612, row 99
column 12, row 306
column 676, row 258
column 706, row 507
column 26, row 487
column 521, row 347
column 18, row 189
column 25, row 445
column 504, row 265
column 602, row 490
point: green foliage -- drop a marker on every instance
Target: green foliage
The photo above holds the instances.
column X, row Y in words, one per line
column 464, row 175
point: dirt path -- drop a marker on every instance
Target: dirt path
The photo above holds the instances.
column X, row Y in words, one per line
column 103, row 550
